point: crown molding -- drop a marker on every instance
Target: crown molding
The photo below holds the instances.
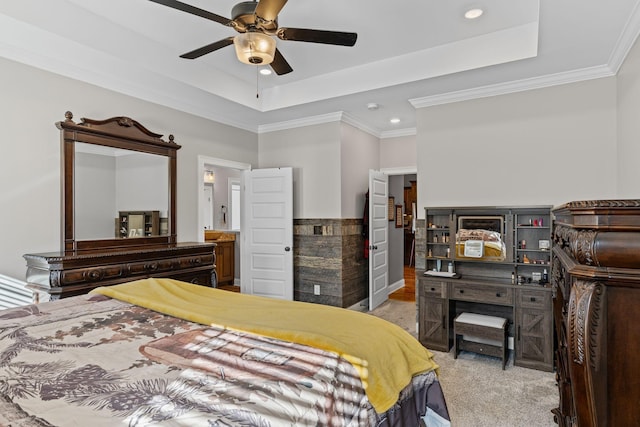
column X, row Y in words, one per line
column 298, row 123
column 626, row 41
column 514, row 86
column 346, row 118
column 398, row 133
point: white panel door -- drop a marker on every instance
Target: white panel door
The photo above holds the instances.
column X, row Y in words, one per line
column 378, row 238
column 267, row 233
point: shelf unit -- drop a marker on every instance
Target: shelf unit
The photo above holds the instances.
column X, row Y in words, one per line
column 138, row 224
column 529, row 224
column 507, row 288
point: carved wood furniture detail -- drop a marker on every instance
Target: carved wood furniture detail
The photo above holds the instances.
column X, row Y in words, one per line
column 596, row 295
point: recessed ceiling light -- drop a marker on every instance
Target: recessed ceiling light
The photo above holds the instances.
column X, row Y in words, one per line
column 473, row 13
column 265, row 71
column 372, row 106
column 395, row 120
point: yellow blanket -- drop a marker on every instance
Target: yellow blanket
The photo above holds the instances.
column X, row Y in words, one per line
column 385, row 355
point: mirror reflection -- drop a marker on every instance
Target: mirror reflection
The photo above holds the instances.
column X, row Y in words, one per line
column 119, row 193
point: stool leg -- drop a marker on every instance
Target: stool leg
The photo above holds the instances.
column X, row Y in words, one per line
column 505, row 349
column 455, row 345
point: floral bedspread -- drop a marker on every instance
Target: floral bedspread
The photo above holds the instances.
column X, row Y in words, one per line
column 95, row 361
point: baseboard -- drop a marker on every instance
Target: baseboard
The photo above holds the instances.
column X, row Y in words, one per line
column 397, row 285
column 360, row 306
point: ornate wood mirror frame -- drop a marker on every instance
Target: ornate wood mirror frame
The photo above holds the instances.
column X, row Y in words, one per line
column 120, row 133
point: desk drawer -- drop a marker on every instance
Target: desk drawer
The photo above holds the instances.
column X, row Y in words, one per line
column 434, row 289
column 533, row 298
column 481, row 293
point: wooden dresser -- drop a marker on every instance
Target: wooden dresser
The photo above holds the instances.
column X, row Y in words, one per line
column 116, row 150
column 60, row 275
column 596, row 297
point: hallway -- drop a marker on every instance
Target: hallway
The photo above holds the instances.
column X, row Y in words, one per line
column 408, row 293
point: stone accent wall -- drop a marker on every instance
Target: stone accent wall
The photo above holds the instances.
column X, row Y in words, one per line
column 329, row 253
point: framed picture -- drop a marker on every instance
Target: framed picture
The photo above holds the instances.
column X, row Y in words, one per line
column 399, row 216
column 391, row 207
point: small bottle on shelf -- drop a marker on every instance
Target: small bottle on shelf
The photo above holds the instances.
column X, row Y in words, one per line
column 545, row 276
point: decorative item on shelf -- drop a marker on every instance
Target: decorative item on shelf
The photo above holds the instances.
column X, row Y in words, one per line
column 525, row 259
column 543, row 245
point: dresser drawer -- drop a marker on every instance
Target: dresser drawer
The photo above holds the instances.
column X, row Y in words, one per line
column 533, row 298
column 435, row 289
column 91, row 274
column 481, row 293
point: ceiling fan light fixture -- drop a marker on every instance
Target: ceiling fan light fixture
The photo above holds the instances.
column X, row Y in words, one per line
column 255, row 48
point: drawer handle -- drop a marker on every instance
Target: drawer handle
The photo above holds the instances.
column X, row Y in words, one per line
column 498, row 294
column 152, row 267
column 533, row 299
column 433, row 289
column 462, row 291
column 196, row 261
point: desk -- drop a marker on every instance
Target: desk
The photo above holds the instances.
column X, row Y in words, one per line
column 527, row 307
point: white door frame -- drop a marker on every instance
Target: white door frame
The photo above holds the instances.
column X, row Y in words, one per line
column 408, row 170
column 213, row 161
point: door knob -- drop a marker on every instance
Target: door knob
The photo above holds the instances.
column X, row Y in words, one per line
column 287, row 249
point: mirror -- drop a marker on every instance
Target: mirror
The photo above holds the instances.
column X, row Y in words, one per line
column 111, row 182
column 116, row 175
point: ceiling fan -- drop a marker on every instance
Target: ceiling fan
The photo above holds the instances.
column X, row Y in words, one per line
column 257, row 23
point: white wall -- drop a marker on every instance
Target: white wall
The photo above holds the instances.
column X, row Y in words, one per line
column 545, row 146
column 629, row 125
column 359, row 152
column 33, row 100
column 95, row 219
column 314, row 154
column 398, row 152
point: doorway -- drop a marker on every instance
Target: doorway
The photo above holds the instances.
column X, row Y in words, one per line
column 216, row 179
column 403, row 188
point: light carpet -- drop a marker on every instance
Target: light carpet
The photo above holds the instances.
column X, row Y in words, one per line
column 478, row 392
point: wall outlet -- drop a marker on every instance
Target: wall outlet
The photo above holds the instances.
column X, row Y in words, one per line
column 316, row 289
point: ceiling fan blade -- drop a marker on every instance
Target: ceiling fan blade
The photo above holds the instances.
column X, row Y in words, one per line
column 317, row 36
column 175, row 4
column 280, row 65
column 208, row 48
column 269, row 9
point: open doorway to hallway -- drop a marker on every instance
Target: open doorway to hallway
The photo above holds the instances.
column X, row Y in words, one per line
column 403, row 188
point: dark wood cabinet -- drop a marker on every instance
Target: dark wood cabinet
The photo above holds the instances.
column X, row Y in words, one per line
column 596, row 288
column 225, row 262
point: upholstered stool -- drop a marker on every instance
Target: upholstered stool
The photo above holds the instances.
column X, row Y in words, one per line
column 482, row 334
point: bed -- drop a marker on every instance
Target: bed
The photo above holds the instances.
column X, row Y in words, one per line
column 169, row 353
